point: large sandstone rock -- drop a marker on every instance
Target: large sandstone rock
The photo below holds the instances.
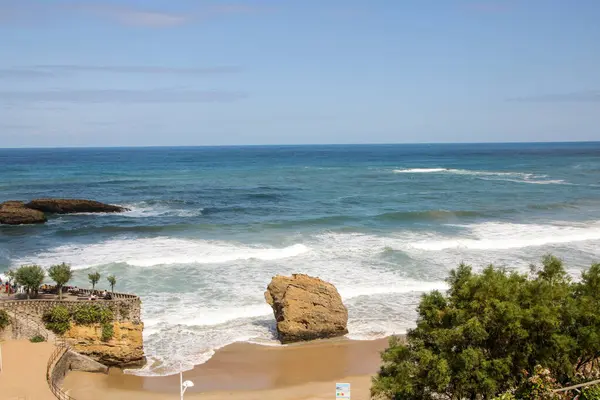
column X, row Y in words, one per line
column 306, row 308
column 125, row 349
column 69, row 206
column 15, row 213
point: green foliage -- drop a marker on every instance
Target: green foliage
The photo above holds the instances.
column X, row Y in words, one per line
column 590, row 393
column 87, row 314
column 94, row 277
column 107, row 331
column 506, row 396
column 4, row 320
column 37, row 339
column 491, row 331
column 58, row 319
column 539, row 386
column 112, row 281
column 31, row 277
column 61, row 274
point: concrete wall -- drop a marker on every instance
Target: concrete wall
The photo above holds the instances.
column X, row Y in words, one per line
column 124, row 307
column 72, row 361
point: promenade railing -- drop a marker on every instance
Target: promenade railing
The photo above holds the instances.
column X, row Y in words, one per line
column 59, row 352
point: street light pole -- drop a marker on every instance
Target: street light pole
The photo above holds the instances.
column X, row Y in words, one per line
column 183, row 385
column 181, row 382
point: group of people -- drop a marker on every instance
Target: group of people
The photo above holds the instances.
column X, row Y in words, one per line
column 103, row 296
column 6, row 287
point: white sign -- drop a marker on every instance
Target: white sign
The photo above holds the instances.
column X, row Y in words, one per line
column 342, row 391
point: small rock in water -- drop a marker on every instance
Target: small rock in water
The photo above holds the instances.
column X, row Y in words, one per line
column 16, row 213
column 69, row 206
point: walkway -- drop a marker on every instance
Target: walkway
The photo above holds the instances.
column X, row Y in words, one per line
column 23, row 375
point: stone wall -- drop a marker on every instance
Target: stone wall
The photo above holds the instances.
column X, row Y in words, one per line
column 72, row 361
column 124, row 349
column 125, row 308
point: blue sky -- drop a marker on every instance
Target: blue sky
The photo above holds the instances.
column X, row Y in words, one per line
column 165, row 72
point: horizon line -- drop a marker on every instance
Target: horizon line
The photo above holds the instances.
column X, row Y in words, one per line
column 294, row 145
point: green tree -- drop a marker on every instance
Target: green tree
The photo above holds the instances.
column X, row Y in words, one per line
column 94, row 277
column 61, row 274
column 31, row 277
column 586, row 316
column 491, row 331
column 112, row 281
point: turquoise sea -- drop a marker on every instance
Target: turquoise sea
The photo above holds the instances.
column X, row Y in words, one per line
column 210, row 226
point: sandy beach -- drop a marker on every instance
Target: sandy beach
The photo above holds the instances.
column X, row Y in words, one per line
column 23, row 375
column 249, row 371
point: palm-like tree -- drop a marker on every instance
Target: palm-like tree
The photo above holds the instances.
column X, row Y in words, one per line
column 112, row 280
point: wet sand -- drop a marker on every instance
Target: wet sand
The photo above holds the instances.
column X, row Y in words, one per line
column 249, row 371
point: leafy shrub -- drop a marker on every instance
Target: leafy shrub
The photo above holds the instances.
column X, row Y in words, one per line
column 58, row 319
column 4, row 320
column 590, row 393
column 539, row 386
column 87, row 314
column 37, row 339
column 487, row 334
column 107, row 331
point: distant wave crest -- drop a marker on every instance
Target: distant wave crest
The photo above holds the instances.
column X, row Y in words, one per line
column 517, row 177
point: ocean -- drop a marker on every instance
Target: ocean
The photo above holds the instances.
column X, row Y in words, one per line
column 210, row 226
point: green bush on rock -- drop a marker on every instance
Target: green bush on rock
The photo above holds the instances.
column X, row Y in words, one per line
column 590, row 393
column 107, row 331
column 37, row 339
column 491, row 332
column 87, row 314
column 58, row 319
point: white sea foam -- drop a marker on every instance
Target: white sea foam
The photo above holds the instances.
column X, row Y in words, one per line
column 530, row 181
column 503, row 236
column 144, row 210
column 405, row 286
column 204, row 316
column 462, row 172
column 158, row 251
column 420, row 170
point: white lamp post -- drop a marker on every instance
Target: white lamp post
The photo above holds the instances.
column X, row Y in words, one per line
column 184, row 385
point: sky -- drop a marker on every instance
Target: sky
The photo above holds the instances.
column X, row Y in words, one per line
column 194, row 72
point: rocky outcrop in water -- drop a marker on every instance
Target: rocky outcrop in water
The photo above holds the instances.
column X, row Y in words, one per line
column 124, row 350
column 306, row 308
column 16, row 213
column 71, row 206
